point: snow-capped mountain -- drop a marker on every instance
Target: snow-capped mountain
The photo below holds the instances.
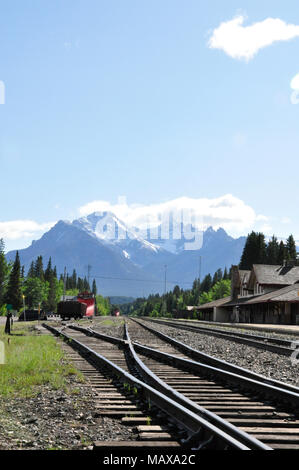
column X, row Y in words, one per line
column 127, row 261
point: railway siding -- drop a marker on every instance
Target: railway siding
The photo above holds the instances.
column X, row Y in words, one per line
column 261, row 362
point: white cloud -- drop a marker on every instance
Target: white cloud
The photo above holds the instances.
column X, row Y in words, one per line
column 295, row 82
column 18, row 229
column 226, row 211
column 243, row 42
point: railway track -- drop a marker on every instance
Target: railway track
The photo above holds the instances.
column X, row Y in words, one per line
column 189, row 428
column 272, row 344
column 266, row 409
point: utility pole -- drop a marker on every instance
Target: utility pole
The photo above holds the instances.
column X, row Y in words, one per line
column 165, row 279
column 88, row 272
column 24, row 307
column 199, row 272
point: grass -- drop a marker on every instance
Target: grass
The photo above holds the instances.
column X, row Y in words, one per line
column 32, row 360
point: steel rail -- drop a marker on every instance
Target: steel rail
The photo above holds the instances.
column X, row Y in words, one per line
column 251, row 385
column 205, row 432
column 218, row 363
column 242, row 338
column 213, row 418
column 270, row 339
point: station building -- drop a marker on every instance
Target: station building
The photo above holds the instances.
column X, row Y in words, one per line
column 266, row 294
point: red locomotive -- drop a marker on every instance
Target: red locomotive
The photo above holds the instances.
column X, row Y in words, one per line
column 78, row 307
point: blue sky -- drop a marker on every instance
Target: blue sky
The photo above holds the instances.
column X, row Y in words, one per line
column 126, row 98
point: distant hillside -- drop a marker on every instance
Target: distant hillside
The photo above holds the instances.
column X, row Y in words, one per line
column 118, row 300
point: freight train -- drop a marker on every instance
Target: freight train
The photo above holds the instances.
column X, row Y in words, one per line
column 81, row 306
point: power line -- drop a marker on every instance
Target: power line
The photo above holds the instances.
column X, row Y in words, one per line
column 138, row 280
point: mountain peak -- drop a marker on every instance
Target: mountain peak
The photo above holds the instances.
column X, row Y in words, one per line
column 118, row 262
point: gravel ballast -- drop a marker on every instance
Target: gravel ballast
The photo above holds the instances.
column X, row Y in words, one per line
column 261, row 362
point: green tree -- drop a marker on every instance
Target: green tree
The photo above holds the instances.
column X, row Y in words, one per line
column 103, row 305
column 55, row 292
column 291, row 248
column 35, row 291
column 205, row 298
column 281, row 253
column 254, row 251
column 221, row 289
column 13, row 294
column 48, row 271
column 272, row 251
column 4, row 272
column 206, row 284
column 31, row 271
column 226, row 274
column 94, row 288
column 38, row 268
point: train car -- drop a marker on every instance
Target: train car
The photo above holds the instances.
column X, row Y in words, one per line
column 116, row 312
column 81, row 306
column 88, row 299
column 71, row 309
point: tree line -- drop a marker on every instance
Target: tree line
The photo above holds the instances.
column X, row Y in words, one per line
column 40, row 288
column 258, row 251
column 210, row 288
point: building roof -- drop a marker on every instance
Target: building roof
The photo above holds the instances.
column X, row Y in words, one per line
column 275, row 274
column 286, row 294
column 241, row 300
column 244, row 275
column 215, row 303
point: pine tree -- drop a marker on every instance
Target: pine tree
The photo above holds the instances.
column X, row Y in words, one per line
column 74, row 279
column 51, row 302
column 38, row 268
column 217, row 276
column 254, row 251
column 94, row 287
column 206, row 284
column 272, row 251
column 80, row 284
column 31, row 271
column 291, row 248
column 13, row 295
column 86, row 285
column 3, row 271
column 281, row 253
column 48, row 271
column 225, row 275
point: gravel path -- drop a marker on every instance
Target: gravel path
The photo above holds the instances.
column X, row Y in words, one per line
column 261, row 362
